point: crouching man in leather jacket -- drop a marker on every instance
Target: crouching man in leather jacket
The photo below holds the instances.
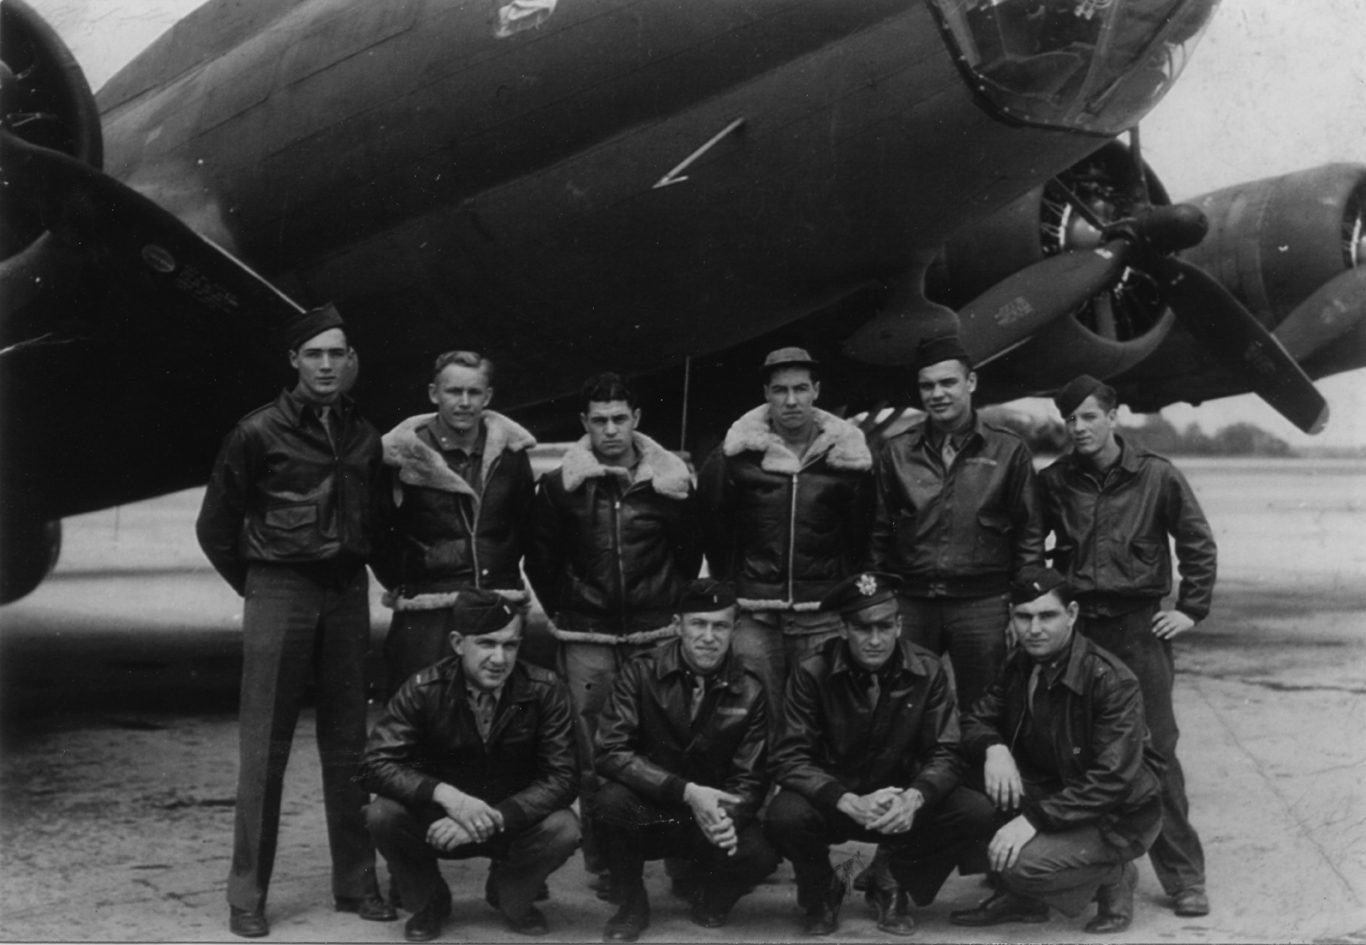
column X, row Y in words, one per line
column 1066, row 758
column 682, row 745
column 869, row 752
column 474, row 756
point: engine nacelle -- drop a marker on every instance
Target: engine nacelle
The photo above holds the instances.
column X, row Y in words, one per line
column 1274, row 242
column 29, row 549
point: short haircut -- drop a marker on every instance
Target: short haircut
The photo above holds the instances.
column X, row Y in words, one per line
column 469, row 359
column 812, row 369
column 604, row 388
column 1106, row 397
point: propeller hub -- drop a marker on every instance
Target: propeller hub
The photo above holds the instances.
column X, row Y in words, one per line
column 1165, row 230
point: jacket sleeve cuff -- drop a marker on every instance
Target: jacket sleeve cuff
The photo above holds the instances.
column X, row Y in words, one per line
column 672, row 789
column 928, row 789
column 426, row 790
column 514, row 819
column 829, row 795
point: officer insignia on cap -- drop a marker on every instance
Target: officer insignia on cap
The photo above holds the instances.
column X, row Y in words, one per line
column 867, row 585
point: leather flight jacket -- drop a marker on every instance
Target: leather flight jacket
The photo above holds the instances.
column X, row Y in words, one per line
column 609, row 557
column 832, row 743
column 785, row 530
column 961, row 532
column 427, row 736
column 281, row 492
column 1112, row 533
column 648, row 740
column 1110, row 773
column 438, row 533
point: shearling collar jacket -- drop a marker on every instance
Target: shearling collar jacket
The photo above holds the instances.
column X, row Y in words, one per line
column 786, row 529
column 611, row 549
column 648, row 740
column 438, row 533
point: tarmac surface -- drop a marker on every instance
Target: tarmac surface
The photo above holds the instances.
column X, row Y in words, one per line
column 118, row 755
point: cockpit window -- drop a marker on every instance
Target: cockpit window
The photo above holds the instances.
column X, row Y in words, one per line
column 1089, row 65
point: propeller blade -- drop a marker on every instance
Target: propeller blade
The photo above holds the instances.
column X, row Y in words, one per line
column 1327, row 315
column 1230, row 332
column 1015, row 308
column 139, row 243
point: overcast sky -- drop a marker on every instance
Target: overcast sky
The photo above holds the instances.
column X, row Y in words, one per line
column 1273, row 87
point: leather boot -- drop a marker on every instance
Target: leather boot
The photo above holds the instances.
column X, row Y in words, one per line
column 1115, row 903
column 893, row 908
column 631, row 919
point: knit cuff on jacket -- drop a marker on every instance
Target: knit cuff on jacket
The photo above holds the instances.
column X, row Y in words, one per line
column 829, row 796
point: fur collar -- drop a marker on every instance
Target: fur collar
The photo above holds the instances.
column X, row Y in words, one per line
column 420, row 465
column 840, row 442
column 665, row 472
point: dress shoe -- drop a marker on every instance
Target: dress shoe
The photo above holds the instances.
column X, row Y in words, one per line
column 372, row 908
column 248, row 923
column 631, row 919
column 823, row 911
column 533, row 923
column 893, row 907
column 1191, row 902
column 1002, row 907
column 425, row 923
column 1115, row 903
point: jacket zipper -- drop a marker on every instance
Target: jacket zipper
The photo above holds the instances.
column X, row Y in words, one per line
column 621, row 565
column 474, row 526
column 792, row 540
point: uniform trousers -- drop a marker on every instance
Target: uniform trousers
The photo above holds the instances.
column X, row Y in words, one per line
column 521, row 860
column 773, row 642
column 920, row 859
column 296, row 627
column 972, row 630
column 1177, row 855
column 640, row 829
column 1063, row 869
column 588, row 670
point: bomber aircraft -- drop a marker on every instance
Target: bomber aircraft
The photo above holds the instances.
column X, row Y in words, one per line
column 662, row 187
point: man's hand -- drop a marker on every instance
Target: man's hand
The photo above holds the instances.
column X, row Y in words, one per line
column 1169, row 623
column 868, row 808
column 445, row 834
column 714, row 820
column 1009, row 840
column 1003, row 783
column 900, row 814
column 477, row 818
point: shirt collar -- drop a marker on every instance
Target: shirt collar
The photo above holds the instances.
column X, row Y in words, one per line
column 445, row 439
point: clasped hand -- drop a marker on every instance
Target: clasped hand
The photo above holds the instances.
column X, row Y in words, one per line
column 715, row 821
column 886, row 810
column 471, row 814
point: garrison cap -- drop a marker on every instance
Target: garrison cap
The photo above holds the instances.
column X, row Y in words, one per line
column 1070, row 397
column 932, row 351
column 310, row 324
column 479, row 611
column 862, row 590
column 1033, row 582
column 788, row 357
column 705, row 596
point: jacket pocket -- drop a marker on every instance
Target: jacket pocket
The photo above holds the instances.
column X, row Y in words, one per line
column 290, row 531
column 1146, row 550
column 993, row 540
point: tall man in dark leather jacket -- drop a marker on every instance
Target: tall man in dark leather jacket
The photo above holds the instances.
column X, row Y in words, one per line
column 474, row 756
column 614, row 540
column 786, row 505
column 287, row 521
column 1066, row 758
column 1114, row 508
column 683, row 746
column 957, row 516
column 454, row 504
column 870, row 752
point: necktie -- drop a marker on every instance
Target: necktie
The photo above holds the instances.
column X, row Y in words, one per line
column 874, row 691
column 483, row 713
column 1033, row 685
column 699, row 692
column 948, row 452
column 325, row 418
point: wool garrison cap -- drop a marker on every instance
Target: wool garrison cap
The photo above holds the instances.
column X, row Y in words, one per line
column 862, row 590
column 310, row 324
column 788, row 357
column 479, row 611
column 705, row 596
column 1033, row 582
column 1070, row 397
column 942, row 348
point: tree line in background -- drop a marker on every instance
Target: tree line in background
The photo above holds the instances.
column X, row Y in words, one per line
column 1046, row 436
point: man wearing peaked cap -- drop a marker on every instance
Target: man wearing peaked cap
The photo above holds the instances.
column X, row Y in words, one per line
column 1116, row 509
column 682, row 745
column 1064, row 755
column 474, row 757
column 869, row 752
column 786, row 502
column 286, row 520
